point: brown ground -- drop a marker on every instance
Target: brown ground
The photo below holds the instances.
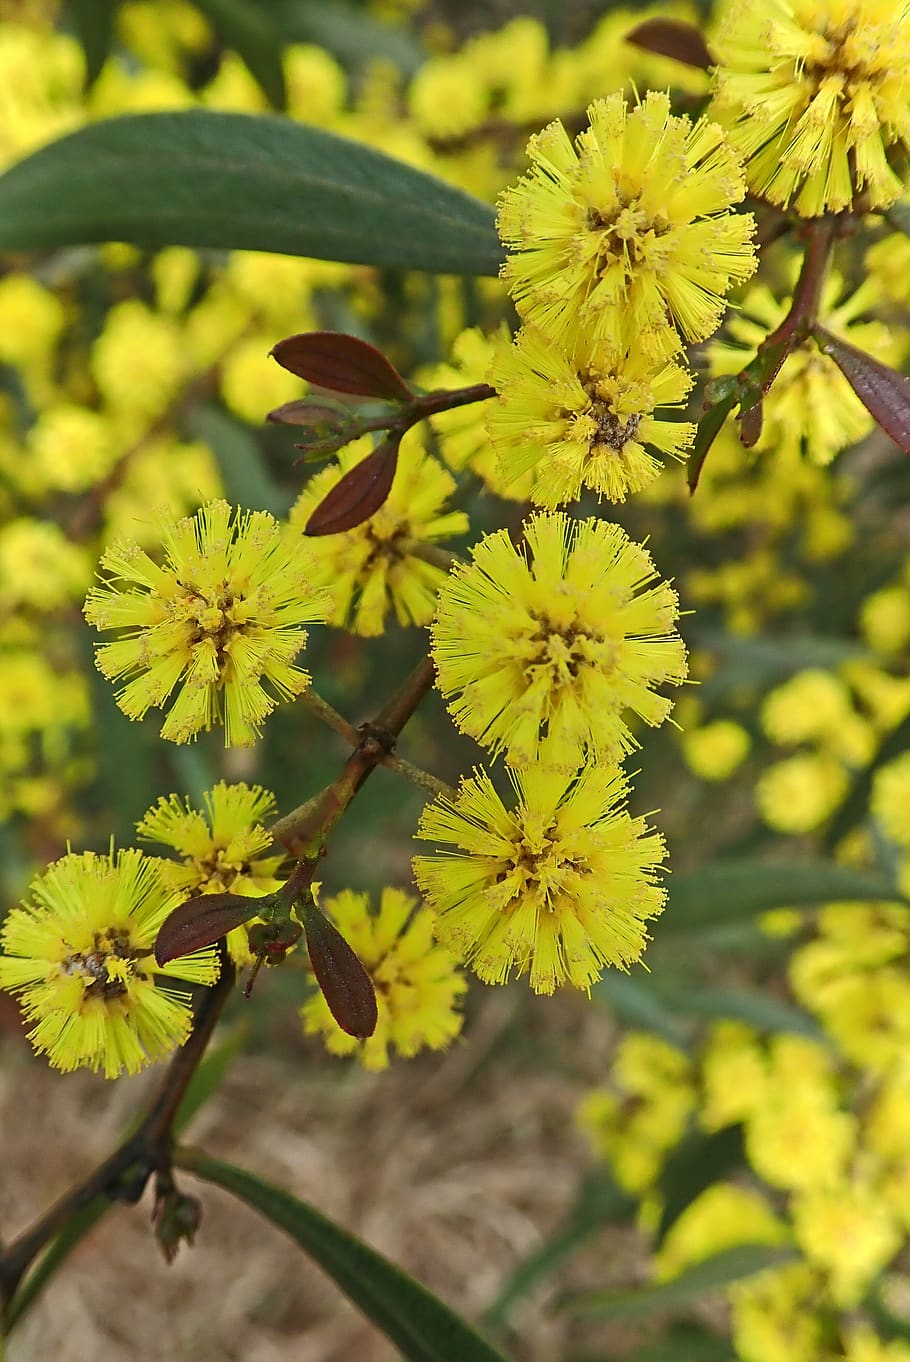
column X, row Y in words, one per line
column 455, row 1166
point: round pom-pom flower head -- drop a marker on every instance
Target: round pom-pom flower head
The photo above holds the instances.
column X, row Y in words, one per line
column 812, row 93
column 222, row 850
column 559, row 887
column 418, row 986
column 79, row 954
column 371, row 568
column 629, row 232
column 559, row 642
column 219, row 622
column 584, row 422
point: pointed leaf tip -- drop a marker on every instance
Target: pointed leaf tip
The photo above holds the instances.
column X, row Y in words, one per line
column 202, row 921
column 345, row 984
column 883, row 391
column 341, row 363
column 672, row 38
column 360, row 494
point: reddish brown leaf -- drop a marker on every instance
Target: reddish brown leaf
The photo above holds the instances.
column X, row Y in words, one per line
column 202, row 921
column 341, row 363
column 345, row 984
column 672, row 38
column 883, row 391
column 359, row 494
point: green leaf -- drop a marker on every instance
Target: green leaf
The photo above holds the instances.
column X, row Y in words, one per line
column 638, row 1002
column 248, row 481
column 600, row 1202
column 349, row 32
column 249, row 28
column 724, row 892
column 53, row 1259
column 202, row 178
column 209, row 1076
column 757, row 662
column 686, row 1342
column 93, row 21
column 420, row 1325
column 898, row 216
column 693, row 997
column 696, row 1162
column 686, row 1290
column 856, row 804
column 706, row 433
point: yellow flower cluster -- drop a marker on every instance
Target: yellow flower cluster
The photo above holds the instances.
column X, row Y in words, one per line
column 622, row 246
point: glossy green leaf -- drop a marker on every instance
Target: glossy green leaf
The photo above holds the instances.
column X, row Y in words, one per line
column 684, row 1291
column 420, row 1325
column 724, row 892
column 202, row 178
column 93, row 21
column 248, row 27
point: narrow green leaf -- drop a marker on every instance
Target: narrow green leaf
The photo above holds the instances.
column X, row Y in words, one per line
column 692, row 997
column 203, row 178
column 204, row 1084
column 707, row 432
column 686, row 1290
column 209, row 1076
column 898, row 216
column 248, row 481
column 757, row 662
column 686, row 1342
column 420, row 1325
column 350, row 32
column 600, row 1202
column 638, row 1002
column 696, row 1162
column 856, row 804
column 248, row 27
column 725, row 892
column 93, row 21
column 53, row 1259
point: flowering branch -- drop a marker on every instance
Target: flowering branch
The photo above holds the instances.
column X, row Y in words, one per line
column 123, row 1175
column 752, row 383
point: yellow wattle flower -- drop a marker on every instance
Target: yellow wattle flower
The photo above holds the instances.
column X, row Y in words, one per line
column 220, row 623
column 558, row 887
column 628, row 234
column 78, row 954
column 813, row 94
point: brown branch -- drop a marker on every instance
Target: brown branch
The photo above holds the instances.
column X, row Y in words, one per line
column 123, row 1174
